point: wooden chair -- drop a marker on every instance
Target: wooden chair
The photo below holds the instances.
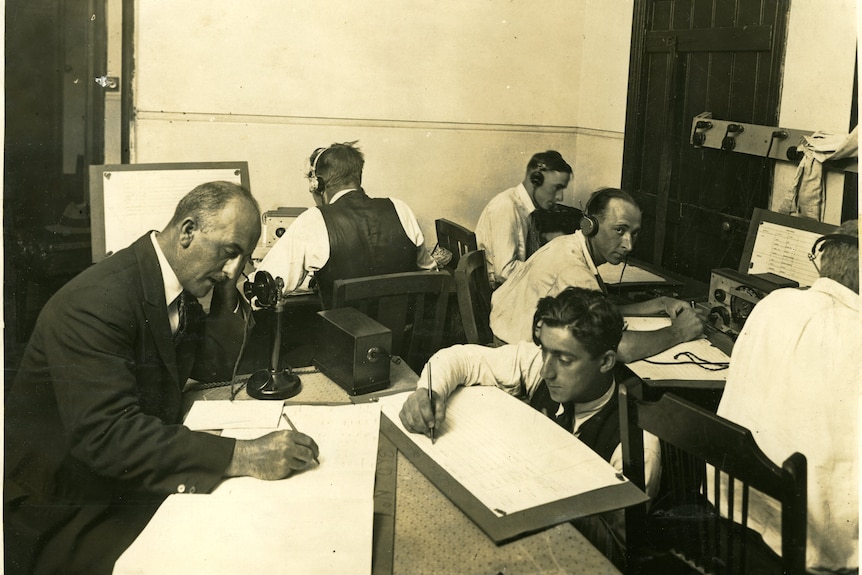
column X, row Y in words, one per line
column 411, row 304
column 474, row 297
column 455, row 238
column 713, row 536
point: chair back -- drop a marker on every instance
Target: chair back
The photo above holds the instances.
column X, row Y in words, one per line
column 474, row 297
column 413, row 305
column 714, row 536
column 455, row 238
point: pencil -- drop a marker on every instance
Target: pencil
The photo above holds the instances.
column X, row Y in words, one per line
column 293, row 428
column 431, row 401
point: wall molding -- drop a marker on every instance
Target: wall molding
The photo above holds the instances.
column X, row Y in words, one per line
column 143, row 115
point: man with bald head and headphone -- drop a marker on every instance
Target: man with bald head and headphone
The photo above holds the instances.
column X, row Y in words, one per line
column 349, row 234
column 794, row 383
column 608, row 231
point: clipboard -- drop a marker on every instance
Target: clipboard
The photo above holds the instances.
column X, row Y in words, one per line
column 505, row 527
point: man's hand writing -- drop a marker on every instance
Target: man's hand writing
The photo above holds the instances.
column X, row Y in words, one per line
column 276, row 455
column 417, row 414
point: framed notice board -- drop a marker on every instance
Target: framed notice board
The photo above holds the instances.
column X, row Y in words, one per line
column 127, row 200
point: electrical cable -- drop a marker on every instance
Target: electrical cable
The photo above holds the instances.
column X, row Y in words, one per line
column 693, row 360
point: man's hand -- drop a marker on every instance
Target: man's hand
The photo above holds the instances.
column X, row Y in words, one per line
column 687, row 324
column 673, row 307
column 417, row 413
column 276, row 455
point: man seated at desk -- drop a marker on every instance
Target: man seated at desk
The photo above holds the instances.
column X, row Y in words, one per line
column 794, row 383
column 349, row 235
column 505, row 229
column 94, row 434
column 609, row 229
column 566, row 372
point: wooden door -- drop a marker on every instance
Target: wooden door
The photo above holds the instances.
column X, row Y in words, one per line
column 689, row 57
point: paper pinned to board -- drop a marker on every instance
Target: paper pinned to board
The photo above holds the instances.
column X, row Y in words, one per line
column 510, row 456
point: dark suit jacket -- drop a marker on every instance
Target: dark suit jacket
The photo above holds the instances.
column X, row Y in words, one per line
column 94, row 440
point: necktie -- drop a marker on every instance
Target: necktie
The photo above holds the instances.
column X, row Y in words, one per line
column 190, row 317
column 534, row 239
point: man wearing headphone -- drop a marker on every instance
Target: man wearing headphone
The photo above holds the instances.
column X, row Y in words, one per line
column 608, row 231
column 504, row 229
column 794, row 383
column 349, row 234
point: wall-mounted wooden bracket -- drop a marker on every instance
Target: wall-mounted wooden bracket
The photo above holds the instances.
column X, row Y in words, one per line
column 776, row 143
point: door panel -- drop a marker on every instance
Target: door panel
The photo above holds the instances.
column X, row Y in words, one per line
column 690, row 57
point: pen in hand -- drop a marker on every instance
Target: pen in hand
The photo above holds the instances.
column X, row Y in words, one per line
column 293, row 428
column 431, row 401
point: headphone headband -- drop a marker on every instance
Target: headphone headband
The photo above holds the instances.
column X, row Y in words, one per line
column 314, row 181
column 821, row 241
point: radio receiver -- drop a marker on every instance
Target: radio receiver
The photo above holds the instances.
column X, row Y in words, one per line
column 732, row 296
column 353, row 350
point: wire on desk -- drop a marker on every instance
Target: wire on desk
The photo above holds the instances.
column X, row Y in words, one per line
column 693, row 360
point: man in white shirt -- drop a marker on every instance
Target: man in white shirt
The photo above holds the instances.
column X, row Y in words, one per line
column 566, row 373
column 349, row 234
column 608, row 233
column 504, row 229
column 794, row 383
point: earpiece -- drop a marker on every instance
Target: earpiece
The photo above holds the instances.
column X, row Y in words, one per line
column 843, row 238
column 589, row 223
column 537, row 178
column 315, row 184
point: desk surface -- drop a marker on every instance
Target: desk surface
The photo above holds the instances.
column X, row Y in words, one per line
column 431, row 534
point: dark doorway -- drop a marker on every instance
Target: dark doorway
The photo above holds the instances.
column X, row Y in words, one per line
column 690, row 57
column 53, row 130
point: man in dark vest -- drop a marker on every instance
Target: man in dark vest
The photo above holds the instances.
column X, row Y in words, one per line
column 566, row 373
column 349, row 234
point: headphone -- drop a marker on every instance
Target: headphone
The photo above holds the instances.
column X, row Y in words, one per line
column 821, row 241
column 315, row 184
column 537, row 178
column 589, row 223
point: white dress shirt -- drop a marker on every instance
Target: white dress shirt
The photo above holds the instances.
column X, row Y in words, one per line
column 562, row 262
column 794, row 382
column 173, row 287
column 502, row 231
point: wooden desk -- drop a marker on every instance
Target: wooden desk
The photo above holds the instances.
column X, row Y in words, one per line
column 427, row 533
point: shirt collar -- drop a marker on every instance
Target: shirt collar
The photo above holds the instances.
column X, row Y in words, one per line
column 339, row 194
column 839, row 291
column 524, row 199
column 582, row 241
column 173, row 287
column 583, row 411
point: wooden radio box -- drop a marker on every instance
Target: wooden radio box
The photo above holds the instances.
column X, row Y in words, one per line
column 353, row 350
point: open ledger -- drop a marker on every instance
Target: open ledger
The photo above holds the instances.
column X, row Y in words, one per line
column 319, row 521
column 509, row 468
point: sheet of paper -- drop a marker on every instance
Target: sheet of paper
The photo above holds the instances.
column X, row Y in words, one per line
column 671, row 364
column 319, row 521
column 347, row 439
column 225, row 414
column 646, row 323
column 507, row 454
column 631, row 274
column 783, row 251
